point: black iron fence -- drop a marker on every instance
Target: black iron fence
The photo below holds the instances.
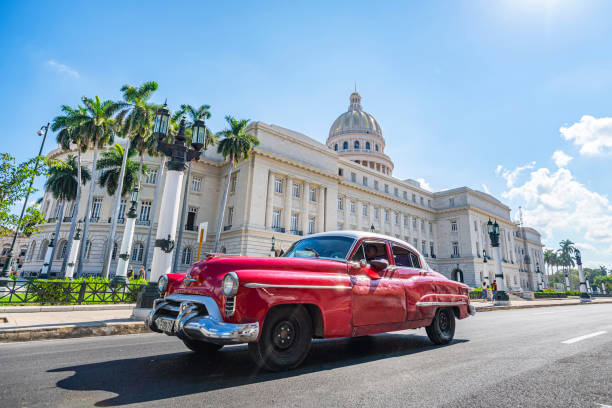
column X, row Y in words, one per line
column 67, row 292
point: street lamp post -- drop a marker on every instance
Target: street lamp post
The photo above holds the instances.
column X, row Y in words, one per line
column 126, row 241
column 9, row 255
column 74, row 251
column 484, row 267
column 501, row 297
column 584, row 294
column 372, row 229
column 273, row 250
column 540, row 279
column 44, row 273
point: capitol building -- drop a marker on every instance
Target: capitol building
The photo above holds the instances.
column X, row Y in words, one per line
column 292, row 186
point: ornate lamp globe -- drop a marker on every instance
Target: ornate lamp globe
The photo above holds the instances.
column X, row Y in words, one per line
column 490, row 227
column 198, row 134
column 496, row 228
column 160, row 124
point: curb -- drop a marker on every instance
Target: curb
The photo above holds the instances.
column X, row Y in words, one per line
column 65, row 308
column 494, row 308
column 71, row 331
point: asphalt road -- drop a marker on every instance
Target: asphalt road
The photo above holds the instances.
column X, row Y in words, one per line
column 514, row 358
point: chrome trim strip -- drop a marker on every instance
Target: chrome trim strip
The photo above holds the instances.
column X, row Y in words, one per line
column 461, row 303
column 269, row 285
column 211, row 306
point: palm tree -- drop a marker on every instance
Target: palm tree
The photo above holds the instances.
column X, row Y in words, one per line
column 566, row 251
column 67, row 126
column 603, row 270
column 63, row 185
column 202, row 113
column 98, row 127
column 236, row 146
column 111, row 165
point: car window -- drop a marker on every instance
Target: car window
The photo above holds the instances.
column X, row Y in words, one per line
column 402, row 256
column 329, row 247
column 415, row 260
column 359, row 254
column 370, row 250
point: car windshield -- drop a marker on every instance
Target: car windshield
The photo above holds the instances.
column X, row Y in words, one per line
column 321, row 247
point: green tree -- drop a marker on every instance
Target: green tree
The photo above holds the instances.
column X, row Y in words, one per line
column 63, row 185
column 236, row 145
column 111, row 163
column 97, row 127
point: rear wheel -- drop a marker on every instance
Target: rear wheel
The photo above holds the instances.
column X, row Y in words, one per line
column 285, row 340
column 202, row 347
column 442, row 328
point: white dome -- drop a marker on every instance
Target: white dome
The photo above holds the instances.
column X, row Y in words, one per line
column 355, row 120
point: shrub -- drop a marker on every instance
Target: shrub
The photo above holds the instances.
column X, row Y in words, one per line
column 544, row 295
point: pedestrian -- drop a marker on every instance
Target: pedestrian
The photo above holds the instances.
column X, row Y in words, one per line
column 141, row 272
column 484, row 291
column 130, row 272
column 494, row 288
column 489, row 293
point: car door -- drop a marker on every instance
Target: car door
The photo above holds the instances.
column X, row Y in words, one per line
column 415, row 280
column 377, row 297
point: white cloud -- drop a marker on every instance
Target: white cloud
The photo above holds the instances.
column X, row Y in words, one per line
column 561, row 158
column 425, row 185
column 593, row 135
column 512, row 175
column 556, row 203
column 63, row 69
column 485, row 189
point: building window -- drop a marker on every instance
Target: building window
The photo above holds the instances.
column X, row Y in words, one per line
column 344, row 145
column 137, row 252
column 376, row 212
column 424, row 247
column 454, row 226
column 336, row 147
column 341, row 172
column 230, row 216
column 353, row 177
column 352, row 206
column 151, row 177
column 397, row 216
column 311, row 225
column 313, row 194
column 386, row 215
column 413, row 198
column 145, row 211
column 422, row 225
column 430, row 228
column 278, row 185
column 414, row 223
column 340, row 203
column 196, row 184
column 376, row 184
column 61, row 253
column 476, row 226
column 376, row 147
column 191, row 218
column 296, row 190
column 451, row 202
column 276, row 218
column 294, row 222
column 364, row 210
column 405, row 195
column 95, row 208
column 186, row 256
column 405, row 221
column 415, row 243
column 456, row 249
column 233, row 184
column 121, row 214
column 396, row 192
column 431, row 249
column 356, row 144
column 367, row 145
column 429, row 203
column 32, row 250
column 365, row 181
column 387, row 188
column 87, row 249
column 422, row 202
column 114, row 253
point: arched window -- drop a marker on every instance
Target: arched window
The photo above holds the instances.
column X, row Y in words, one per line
column 63, row 246
column 137, row 252
column 367, row 145
column 356, row 144
column 186, row 256
column 457, row 275
column 32, row 249
column 43, row 250
column 344, row 145
column 376, row 147
column 336, row 147
column 114, row 254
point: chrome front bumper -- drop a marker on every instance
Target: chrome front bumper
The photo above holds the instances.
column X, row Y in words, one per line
column 472, row 310
column 197, row 317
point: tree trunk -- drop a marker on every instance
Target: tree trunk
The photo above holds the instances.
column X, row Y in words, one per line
column 223, row 204
column 153, row 211
column 75, row 214
column 58, row 224
column 108, row 254
column 182, row 221
column 88, row 211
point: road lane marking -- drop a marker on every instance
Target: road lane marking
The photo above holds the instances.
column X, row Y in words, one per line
column 586, row 336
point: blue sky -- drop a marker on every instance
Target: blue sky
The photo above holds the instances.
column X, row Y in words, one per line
column 467, row 93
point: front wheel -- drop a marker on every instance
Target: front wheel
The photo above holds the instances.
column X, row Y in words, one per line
column 202, row 347
column 285, row 340
column 442, row 328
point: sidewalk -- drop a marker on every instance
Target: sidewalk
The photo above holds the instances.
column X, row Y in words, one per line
column 62, row 322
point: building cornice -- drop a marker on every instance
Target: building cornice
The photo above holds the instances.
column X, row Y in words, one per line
column 295, row 163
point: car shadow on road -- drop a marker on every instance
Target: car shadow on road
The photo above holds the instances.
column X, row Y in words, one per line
column 147, row 379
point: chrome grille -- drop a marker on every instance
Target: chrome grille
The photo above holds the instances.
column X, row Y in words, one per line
column 230, row 306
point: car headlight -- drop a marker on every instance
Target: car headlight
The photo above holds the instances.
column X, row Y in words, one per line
column 162, row 284
column 230, row 283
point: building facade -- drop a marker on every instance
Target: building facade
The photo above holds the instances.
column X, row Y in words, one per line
column 292, row 186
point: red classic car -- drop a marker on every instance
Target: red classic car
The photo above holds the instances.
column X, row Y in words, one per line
column 328, row 285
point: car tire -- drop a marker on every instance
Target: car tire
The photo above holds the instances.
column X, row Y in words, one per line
column 285, row 339
column 202, row 347
column 442, row 328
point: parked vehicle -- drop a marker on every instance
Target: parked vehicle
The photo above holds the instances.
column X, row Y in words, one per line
column 327, row 285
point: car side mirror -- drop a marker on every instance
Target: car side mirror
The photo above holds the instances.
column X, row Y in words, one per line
column 379, row 264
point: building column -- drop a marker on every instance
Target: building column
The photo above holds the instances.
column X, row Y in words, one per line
column 320, row 209
column 305, row 206
column 370, row 216
column 287, row 204
column 346, row 213
column 358, row 214
column 401, row 220
column 269, row 200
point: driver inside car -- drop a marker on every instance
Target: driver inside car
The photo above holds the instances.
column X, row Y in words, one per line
column 371, row 253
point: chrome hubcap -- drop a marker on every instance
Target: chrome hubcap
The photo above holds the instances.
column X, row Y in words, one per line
column 283, row 335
